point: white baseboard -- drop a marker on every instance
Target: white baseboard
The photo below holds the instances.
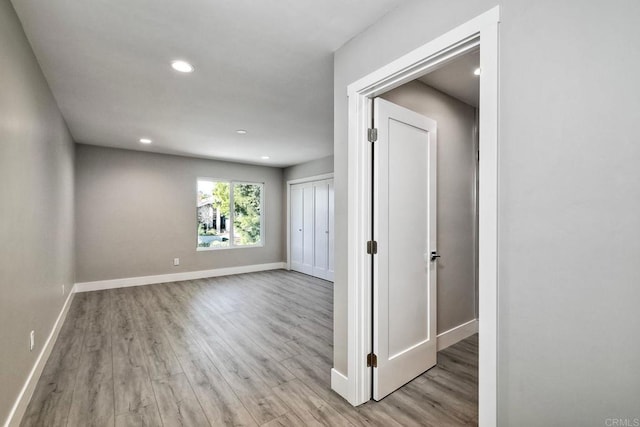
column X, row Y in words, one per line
column 460, row 332
column 21, row 403
column 340, row 384
column 174, row 277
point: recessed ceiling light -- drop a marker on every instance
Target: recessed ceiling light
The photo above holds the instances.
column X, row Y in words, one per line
column 145, row 140
column 182, row 66
column 241, row 132
column 477, row 71
column 265, row 157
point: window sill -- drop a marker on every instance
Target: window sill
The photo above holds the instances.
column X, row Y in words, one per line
column 201, row 249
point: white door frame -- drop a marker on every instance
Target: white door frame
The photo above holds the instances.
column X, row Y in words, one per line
column 289, row 184
column 481, row 31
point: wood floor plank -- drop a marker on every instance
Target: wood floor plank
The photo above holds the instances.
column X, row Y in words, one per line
column 68, row 348
column 92, row 403
column 51, row 401
column 160, row 358
column 135, row 402
column 165, row 312
column 318, row 378
column 309, row 406
column 219, row 402
column 177, row 402
column 241, row 345
column 286, row 420
column 52, row 397
column 245, row 380
column 98, row 332
column 146, row 416
column 245, row 350
column 272, row 342
column 254, row 394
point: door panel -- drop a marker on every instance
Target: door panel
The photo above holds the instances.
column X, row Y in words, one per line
column 331, row 231
column 321, row 227
column 408, row 229
column 311, row 228
column 307, row 229
column 405, row 228
column 295, row 232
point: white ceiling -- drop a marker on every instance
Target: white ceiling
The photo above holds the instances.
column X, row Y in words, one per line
column 266, row 67
column 456, row 78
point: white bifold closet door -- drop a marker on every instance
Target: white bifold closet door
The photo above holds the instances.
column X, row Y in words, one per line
column 296, row 234
column 311, row 230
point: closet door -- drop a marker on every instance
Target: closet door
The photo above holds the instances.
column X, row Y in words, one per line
column 295, row 233
column 331, row 232
column 307, row 229
column 311, row 228
column 321, row 228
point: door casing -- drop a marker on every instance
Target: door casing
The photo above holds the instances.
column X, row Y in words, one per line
column 481, row 31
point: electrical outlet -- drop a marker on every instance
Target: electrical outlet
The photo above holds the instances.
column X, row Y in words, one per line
column 176, row 261
column 32, row 340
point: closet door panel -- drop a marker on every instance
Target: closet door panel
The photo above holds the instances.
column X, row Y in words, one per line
column 295, row 232
column 321, row 244
column 331, row 232
column 311, row 234
column 307, row 228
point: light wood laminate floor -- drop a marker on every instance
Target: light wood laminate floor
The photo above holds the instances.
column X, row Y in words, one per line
column 245, row 350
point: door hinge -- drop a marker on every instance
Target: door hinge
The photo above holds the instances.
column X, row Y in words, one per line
column 372, row 247
column 372, row 360
column 372, row 134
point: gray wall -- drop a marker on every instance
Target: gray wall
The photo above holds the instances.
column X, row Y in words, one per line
column 569, row 197
column 136, row 211
column 313, row 168
column 36, row 208
column 456, row 197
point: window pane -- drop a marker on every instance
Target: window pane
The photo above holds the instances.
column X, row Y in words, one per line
column 213, row 214
column 247, row 214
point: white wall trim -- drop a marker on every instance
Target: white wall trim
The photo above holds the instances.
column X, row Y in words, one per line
column 457, row 334
column 311, row 178
column 481, row 30
column 288, row 230
column 339, row 383
column 173, row 277
column 20, row 406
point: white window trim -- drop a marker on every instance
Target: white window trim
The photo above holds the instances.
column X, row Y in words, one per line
column 232, row 245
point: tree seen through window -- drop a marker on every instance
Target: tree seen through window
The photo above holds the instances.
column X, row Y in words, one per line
column 219, row 226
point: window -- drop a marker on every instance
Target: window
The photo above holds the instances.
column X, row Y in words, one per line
column 229, row 214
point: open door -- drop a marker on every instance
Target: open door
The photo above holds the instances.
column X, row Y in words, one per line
column 404, row 218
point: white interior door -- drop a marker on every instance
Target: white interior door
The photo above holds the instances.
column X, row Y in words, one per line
column 307, row 229
column 331, row 232
column 295, row 233
column 321, row 228
column 404, row 276
column 311, row 233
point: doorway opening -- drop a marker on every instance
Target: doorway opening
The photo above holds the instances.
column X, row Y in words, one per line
column 479, row 33
column 424, row 223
